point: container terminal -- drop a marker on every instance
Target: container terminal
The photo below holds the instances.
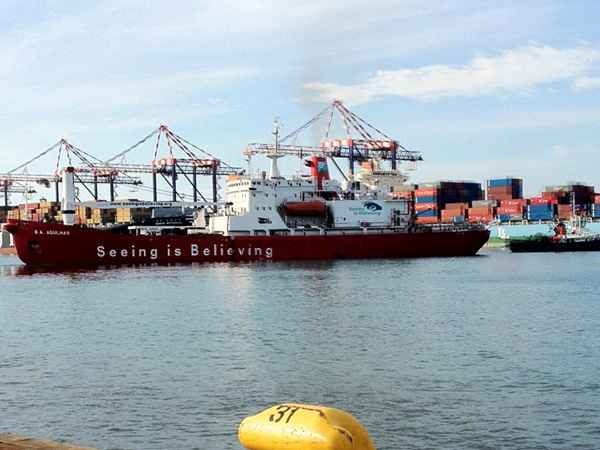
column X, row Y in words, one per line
column 498, row 204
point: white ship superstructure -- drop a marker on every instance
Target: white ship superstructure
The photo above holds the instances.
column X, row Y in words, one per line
column 305, row 203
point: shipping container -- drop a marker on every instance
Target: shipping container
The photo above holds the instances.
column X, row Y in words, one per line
column 514, row 202
column 452, row 215
column 539, row 212
column 427, row 199
column 457, row 206
column 482, row 203
column 504, row 193
column 427, row 192
column 563, row 211
column 542, row 201
column 509, row 210
column 403, row 188
column 426, row 220
column 426, row 206
column 480, row 217
column 482, row 210
column 503, row 182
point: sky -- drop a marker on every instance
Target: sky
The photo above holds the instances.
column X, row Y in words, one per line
column 482, row 89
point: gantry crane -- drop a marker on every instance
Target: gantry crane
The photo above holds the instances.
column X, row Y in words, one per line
column 172, row 165
column 89, row 171
column 370, row 144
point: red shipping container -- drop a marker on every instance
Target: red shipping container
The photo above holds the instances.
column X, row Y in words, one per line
column 481, row 210
column 514, row 202
column 543, row 201
column 456, row 206
column 449, row 216
column 421, row 219
column 480, row 217
column 509, row 210
column 425, row 206
column 427, row 192
column 563, row 211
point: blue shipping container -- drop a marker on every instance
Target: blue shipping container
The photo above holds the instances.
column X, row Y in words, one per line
column 430, row 199
column 540, row 216
column 540, row 208
column 505, row 182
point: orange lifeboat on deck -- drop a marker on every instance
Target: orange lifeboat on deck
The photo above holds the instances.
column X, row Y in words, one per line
column 310, row 208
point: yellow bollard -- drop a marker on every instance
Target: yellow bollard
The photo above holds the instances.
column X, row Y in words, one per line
column 293, row 426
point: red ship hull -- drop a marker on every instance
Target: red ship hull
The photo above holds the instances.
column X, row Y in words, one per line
column 49, row 243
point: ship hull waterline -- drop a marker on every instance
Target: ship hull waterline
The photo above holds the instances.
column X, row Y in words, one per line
column 50, row 243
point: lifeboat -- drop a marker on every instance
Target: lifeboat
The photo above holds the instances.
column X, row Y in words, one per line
column 310, row 208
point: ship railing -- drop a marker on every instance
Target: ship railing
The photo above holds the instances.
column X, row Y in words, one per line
column 448, row 227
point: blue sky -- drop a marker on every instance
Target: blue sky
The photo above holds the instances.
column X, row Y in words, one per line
column 483, row 89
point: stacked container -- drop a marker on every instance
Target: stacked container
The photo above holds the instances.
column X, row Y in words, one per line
column 482, row 210
column 454, row 213
column 595, row 207
column 133, row 215
column 505, row 189
column 102, row 216
column 511, row 210
column 577, row 195
column 540, row 208
column 432, row 198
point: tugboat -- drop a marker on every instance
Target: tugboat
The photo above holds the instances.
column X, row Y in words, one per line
column 579, row 240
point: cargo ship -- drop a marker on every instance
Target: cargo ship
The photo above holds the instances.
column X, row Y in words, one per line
column 304, row 217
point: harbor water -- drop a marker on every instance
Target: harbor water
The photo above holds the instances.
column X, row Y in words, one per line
column 497, row 351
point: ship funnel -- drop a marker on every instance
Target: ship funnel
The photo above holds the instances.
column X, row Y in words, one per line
column 318, row 170
column 274, row 170
column 68, row 196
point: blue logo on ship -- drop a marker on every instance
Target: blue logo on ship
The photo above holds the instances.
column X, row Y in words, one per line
column 372, row 206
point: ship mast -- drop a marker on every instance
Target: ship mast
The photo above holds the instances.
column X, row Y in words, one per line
column 274, row 170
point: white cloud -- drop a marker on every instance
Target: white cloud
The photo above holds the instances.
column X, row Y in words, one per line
column 586, row 83
column 517, row 70
column 562, row 151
